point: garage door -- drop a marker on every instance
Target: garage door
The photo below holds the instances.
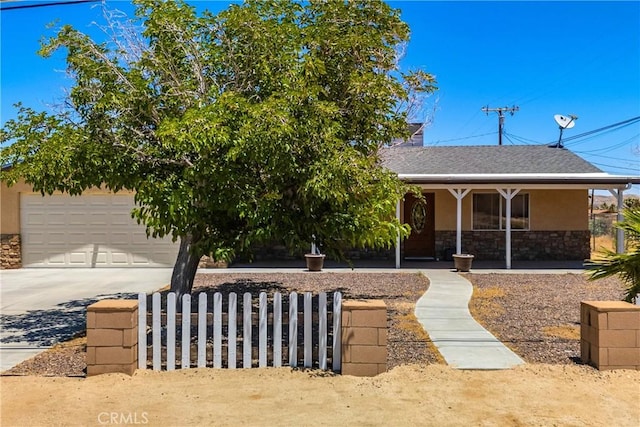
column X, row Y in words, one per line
column 88, row 231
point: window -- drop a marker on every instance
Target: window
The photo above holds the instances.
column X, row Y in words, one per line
column 490, row 212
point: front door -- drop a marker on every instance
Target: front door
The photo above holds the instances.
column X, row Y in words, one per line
column 420, row 215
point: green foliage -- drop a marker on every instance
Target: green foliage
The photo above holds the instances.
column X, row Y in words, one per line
column 625, row 265
column 260, row 123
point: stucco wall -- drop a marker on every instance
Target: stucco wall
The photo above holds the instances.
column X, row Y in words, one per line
column 548, row 210
column 10, row 207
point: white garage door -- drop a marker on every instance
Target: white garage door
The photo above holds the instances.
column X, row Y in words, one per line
column 88, row 231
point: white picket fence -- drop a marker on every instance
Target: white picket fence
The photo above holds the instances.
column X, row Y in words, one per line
column 217, row 329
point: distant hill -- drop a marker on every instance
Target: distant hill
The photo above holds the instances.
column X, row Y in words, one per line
column 600, row 200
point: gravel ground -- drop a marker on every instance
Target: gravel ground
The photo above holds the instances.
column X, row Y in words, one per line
column 538, row 316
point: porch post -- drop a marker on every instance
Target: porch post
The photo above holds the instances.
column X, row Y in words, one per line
column 459, row 194
column 619, row 195
column 508, row 195
column 398, row 236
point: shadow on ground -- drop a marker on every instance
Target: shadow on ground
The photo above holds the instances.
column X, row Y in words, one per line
column 43, row 328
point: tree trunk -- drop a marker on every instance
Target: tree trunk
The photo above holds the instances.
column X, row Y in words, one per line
column 184, row 270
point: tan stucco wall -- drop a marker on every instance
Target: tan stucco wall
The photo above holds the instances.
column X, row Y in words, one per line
column 559, row 210
column 548, row 209
column 10, row 207
column 10, row 204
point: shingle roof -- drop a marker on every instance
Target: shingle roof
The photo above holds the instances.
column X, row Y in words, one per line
column 466, row 160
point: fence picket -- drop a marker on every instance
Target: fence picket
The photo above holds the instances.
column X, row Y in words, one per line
column 217, row 330
column 156, row 331
column 322, row 330
column 246, row 326
column 202, row 330
column 337, row 332
column 277, row 330
column 171, row 331
column 186, row 332
column 232, row 331
column 293, row 329
column 308, row 330
column 142, row 331
column 268, row 328
column 262, row 331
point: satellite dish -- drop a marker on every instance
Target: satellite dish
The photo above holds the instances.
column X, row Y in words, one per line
column 565, row 122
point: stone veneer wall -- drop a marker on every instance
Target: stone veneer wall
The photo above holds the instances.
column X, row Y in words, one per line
column 281, row 253
column 11, row 252
column 525, row 245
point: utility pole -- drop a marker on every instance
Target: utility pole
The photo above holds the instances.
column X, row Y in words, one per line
column 500, row 112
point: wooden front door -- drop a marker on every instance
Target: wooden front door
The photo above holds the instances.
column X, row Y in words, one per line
column 420, row 215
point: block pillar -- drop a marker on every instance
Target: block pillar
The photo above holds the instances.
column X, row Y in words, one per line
column 112, row 337
column 610, row 334
column 364, row 338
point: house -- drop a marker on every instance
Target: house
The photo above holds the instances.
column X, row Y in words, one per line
column 470, row 191
column 468, row 194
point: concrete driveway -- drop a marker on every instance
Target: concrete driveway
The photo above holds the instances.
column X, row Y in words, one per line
column 42, row 306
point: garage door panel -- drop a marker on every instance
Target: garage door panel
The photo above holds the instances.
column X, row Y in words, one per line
column 76, row 238
column 98, row 237
column 35, row 219
column 56, row 238
column 88, row 231
column 56, row 218
column 98, row 219
column 76, row 219
column 56, row 259
column 79, row 258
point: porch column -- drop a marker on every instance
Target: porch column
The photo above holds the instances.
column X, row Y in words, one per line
column 398, row 236
column 619, row 195
column 459, row 194
column 508, row 195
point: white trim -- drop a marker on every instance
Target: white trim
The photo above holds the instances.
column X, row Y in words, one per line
column 619, row 195
column 508, row 194
column 459, row 194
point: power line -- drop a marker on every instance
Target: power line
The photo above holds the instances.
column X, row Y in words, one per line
column 615, row 167
column 57, row 3
column 591, row 132
column 462, row 138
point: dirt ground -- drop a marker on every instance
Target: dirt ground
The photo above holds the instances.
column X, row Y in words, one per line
column 532, row 395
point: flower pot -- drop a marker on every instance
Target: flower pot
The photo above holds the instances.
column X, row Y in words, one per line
column 314, row 262
column 462, row 262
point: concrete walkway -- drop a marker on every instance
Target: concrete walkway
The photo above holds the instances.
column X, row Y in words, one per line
column 443, row 311
column 42, row 306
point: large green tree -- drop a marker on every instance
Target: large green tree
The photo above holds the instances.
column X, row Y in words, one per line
column 261, row 123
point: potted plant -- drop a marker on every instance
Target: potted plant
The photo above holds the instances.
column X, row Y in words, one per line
column 462, row 262
column 315, row 260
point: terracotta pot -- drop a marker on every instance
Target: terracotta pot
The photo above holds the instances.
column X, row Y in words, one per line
column 314, row 262
column 462, row 262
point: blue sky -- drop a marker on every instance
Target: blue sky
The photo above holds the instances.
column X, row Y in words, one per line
column 547, row 58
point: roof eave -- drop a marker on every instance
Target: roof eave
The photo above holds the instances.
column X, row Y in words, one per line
column 587, row 180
